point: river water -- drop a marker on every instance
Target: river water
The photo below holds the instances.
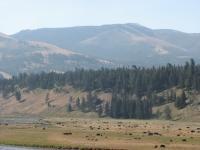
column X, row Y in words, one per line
column 17, row 120
column 15, row 148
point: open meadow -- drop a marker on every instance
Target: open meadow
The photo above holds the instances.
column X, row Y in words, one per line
column 102, row 133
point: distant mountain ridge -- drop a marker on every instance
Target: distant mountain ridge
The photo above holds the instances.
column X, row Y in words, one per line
column 19, row 56
column 127, row 44
column 62, row 49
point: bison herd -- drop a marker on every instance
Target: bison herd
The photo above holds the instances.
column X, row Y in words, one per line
column 102, row 126
column 94, row 132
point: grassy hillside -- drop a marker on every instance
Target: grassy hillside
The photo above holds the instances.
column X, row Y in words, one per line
column 190, row 113
column 34, row 104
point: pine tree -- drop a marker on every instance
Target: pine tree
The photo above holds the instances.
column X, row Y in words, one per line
column 161, row 100
column 172, row 79
column 182, row 100
column 198, row 83
column 69, row 108
column 115, row 110
column 123, row 109
column 115, row 107
column 78, row 102
column 47, row 97
column 118, row 85
column 18, row 95
column 195, row 83
column 100, row 111
column 138, row 109
column 192, row 67
column 167, row 112
column 177, row 102
column 181, row 83
column 130, row 108
column 70, row 99
column 90, row 101
column 4, row 94
column 157, row 113
column 83, row 104
column 138, row 86
column 173, row 95
column 154, row 98
column 107, row 110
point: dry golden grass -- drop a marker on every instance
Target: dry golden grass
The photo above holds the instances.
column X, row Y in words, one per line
column 115, row 137
column 34, row 103
column 129, row 135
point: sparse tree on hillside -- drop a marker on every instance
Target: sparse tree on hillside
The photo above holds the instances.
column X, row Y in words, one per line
column 83, row 104
column 4, row 94
column 157, row 113
column 47, row 97
column 107, row 110
column 69, row 108
column 78, row 102
column 18, row 95
column 183, row 99
column 70, row 99
column 167, row 112
column 180, row 101
column 100, row 111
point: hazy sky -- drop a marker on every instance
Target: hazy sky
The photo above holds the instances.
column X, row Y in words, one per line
column 16, row 15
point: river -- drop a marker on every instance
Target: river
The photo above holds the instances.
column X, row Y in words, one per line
column 16, row 148
column 17, row 120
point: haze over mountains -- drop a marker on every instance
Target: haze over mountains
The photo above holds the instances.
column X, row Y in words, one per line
column 18, row 56
column 127, row 44
column 62, row 49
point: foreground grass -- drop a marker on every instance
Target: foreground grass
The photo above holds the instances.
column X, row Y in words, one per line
column 114, row 134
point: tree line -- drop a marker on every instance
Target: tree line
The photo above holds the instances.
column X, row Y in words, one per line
column 134, row 89
column 133, row 80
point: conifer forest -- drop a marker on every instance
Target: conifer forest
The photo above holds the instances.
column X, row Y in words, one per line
column 134, row 89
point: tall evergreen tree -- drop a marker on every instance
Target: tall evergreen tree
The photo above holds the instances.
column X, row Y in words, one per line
column 83, row 104
column 69, row 108
column 157, row 113
column 130, row 108
column 100, row 110
column 182, row 100
column 138, row 109
column 90, row 101
column 167, row 112
column 47, row 97
column 18, row 95
column 107, row 110
column 78, row 102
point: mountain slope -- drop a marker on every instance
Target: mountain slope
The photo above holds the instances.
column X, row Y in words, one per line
column 184, row 40
column 123, row 43
column 27, row 56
